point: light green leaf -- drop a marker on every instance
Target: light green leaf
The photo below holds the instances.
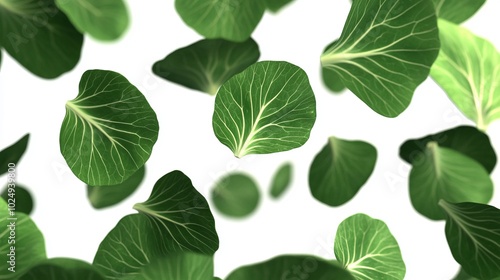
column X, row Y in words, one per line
column 467, row 140
column 442, row 173
column 25, row 250
column 129, row 246
column 39, row 36
column 468, row 69
column 236, row 195
column 473, row 234
column 385, row 52
column 181, row 214
column 21, row 196
column 366, row 247
column 457, row 11
column 276, row 5
column 181, row 266
column 233, row 20
column 109, row 129
column 13, row 153
column 340, row 169
column 104, row 20
column 267, row 108
column 291, row 267
column 207, row 64
column 105, row 196
column 281, row 180
column 62, row 269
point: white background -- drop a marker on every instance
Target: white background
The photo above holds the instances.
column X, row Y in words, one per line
column 296, row 223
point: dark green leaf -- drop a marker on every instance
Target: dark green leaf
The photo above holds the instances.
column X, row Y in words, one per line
column 442, row 173
column 105, row 196
column 332, row 80
column 276, row 5
column 385, row 52
column 181, row 266
column 457, row 11
column 236, row 195
column 281, row 180
column 467, row 140
column 207, row 64
column 473, row 234
column 39, row 36
column 28, row 247
column 233, row 20
column 109, row 129
column 62, row 269
column 23, row 199
column 467, row 70
column 267, row 108
column 181, row 214
column 13, row 153
column 291, row 267
column 366, row 247
column 462, row 275
column 104, row 20
column 340, row 169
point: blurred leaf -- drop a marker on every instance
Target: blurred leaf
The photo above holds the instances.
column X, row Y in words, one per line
column 236, row 195
column 457, row 11
column 23, row 198
column 39, row 36
column 281, row 180
column 104, row 20
column 467, row 70
column 13, row 153
column 207, row 64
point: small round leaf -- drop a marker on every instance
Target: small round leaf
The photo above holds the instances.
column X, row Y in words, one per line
column 236, row 195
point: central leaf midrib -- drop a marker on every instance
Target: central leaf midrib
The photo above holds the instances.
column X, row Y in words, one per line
column 143, row 208
column 88, row 118
column 89, row 7
column 11, row 8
